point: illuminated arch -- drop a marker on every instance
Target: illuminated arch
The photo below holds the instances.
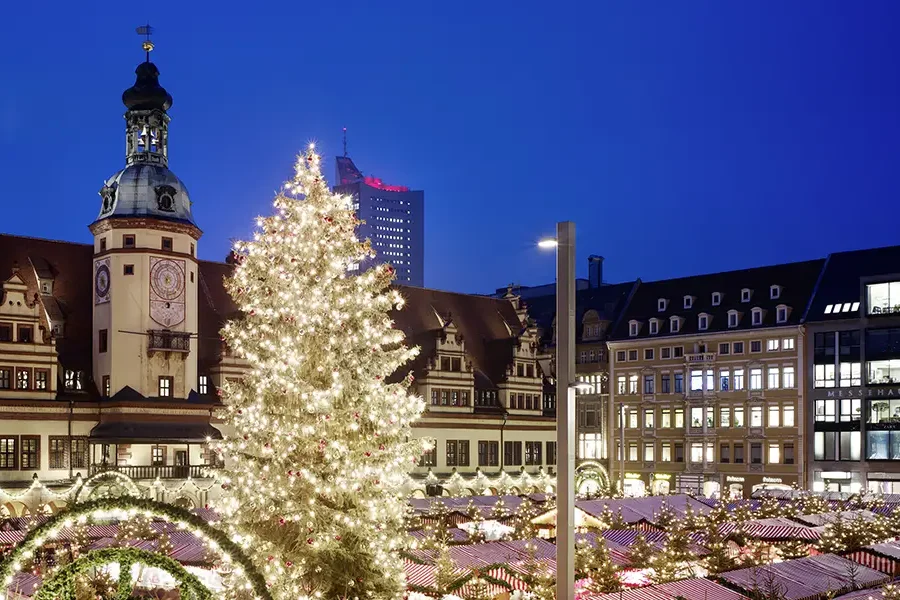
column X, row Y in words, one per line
column 125, row 507
column 121, row 479
column 62, row 583
column 591, row 473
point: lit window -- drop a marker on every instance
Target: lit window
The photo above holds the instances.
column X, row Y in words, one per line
column 774, row 378
column 787, row 344
column 756, row 378
column 787, row 380
column 772, row 345
column 204, row 385
column 165, row 387
column 828, row 309
column 774, row 454
column 883, row 298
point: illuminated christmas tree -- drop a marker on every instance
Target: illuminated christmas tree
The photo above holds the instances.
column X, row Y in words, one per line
column 640, row 553
column 524, row 528
column 322, row 442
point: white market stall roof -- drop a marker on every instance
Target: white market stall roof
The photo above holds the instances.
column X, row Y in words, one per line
column 806, row 578
column 633, row 510
column 820, row 519
column 689, row 589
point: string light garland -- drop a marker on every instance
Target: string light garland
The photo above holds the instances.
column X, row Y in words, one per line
column 62, row 581
column 247, row 579
column 316, row 468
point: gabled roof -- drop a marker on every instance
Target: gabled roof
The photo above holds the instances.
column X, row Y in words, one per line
column 489, row 327
column 796, row 281
column 840, row 282
column 71, row 267
column 607, row 300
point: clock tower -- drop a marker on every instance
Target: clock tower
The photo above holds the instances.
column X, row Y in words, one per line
column 144, row 266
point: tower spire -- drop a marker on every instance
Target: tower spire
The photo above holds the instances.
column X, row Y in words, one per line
column 345, row 142
column 146, row 31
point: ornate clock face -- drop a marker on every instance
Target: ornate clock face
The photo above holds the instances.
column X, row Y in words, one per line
column 167, row 280
column 101, row 281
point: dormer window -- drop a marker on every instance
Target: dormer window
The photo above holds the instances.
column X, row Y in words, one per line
column 688, row 302
column 757, row 317
column 703, row 322
column 654, row 326
column 775, row 292
column 781, row 314
column 675, row 324
column 746, row 293
column 732, row 319
column 633, row 328
column 716, row 298
column 662, row 304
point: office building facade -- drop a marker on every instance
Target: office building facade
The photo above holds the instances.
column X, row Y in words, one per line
column 393, row 219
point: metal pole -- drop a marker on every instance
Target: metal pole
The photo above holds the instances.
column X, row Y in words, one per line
column 622, row 448
column 565, row 410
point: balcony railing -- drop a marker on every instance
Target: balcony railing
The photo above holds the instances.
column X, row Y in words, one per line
column 163, row 340
column 700, row 431
column 154, row 472
column 701, row 358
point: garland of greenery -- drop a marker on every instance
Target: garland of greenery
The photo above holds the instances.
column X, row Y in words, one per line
column 61, row 583
column 127, row 481
column 37, row 536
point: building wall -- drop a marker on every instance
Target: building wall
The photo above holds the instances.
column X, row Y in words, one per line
column 706, row 433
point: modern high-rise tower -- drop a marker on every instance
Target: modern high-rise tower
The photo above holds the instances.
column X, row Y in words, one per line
column 394, row 220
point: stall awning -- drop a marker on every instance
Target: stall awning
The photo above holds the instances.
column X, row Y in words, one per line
column 153, row 432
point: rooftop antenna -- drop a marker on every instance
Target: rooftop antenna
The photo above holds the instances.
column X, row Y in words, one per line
column 345, row 142
column 146, row 31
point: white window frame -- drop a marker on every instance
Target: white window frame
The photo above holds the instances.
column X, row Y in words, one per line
column 787, row 343
column 774, row 292
column 756, row 317
column 781, row 313
column 746, row 294
column 674, row 324
column 688, row 302
column 633, row 328
column 662, row 304
column 654, row 326
column 703, row 321
column 716, row 298
column 772, row 345
column 733, row 319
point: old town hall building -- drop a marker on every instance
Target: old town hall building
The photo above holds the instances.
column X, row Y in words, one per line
column 110, row 354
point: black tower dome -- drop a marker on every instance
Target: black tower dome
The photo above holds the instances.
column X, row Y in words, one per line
column 146, row 93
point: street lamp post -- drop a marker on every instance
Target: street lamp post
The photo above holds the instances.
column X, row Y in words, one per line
column 565, row 408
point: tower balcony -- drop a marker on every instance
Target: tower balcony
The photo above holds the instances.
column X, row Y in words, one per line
column 163, row 340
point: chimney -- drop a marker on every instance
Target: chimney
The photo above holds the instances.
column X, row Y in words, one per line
column 595, row 270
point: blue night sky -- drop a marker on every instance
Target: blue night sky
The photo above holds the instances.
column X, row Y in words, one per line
column 681, row 137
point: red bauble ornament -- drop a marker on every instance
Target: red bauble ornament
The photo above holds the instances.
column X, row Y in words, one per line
column 337, row 537
column 270, row 558
column 281, row 521
column 368, row 454
column 309, row 541
column 288, row 564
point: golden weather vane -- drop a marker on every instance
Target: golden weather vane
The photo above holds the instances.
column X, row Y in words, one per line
column 146, row 31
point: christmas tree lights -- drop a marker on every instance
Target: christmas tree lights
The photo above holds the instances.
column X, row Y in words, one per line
column 322, row 443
